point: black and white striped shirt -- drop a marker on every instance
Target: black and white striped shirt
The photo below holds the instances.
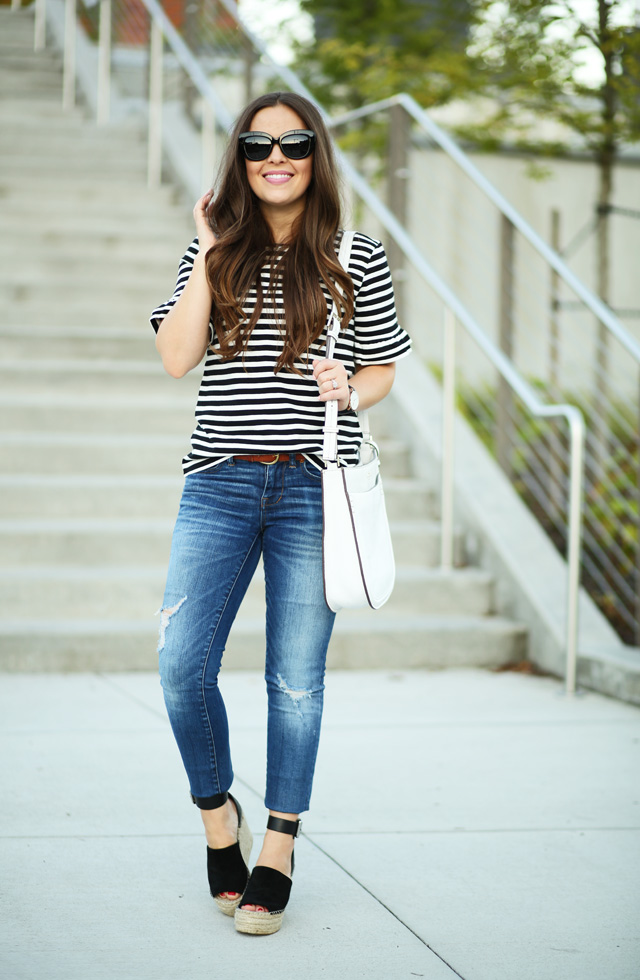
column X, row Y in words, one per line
column 245, row 408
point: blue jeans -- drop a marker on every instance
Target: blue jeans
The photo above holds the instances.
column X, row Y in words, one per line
column 228, row 516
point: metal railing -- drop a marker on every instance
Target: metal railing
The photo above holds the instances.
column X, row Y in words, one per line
column 554, row 329
column 237, row 54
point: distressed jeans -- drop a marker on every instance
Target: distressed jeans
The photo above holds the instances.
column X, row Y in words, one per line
column 228, row 517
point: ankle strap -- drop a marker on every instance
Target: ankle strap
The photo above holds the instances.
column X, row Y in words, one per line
column 292, row 827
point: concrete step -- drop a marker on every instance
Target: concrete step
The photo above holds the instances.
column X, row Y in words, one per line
column 136, row 379
column 60, row 247
column 80, row 223
column 365, row 639
column 113, row 541
column 117, row 453
column 85, row 188
column 20, row 292
column 23, row 162
column 40, row 81
column 46, row 110
column 16, row 30
column 81, row 311
column 91, row 495
column 16, row 25
column 92, row 430
column 171, row 414
column 135, row 592
column 29, row 62
column 55, row 210
column 82, row 154
column 67, row 138
column 102, row 343
column 433, row 591
column 110, row 453
column 86, row 497
column 19, row 55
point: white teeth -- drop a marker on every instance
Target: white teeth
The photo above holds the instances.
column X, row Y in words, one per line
column 277, row 176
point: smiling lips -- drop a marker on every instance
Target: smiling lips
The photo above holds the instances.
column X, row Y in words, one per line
column 278, row 177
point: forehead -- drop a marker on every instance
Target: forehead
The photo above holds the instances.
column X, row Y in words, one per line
column 276, row 120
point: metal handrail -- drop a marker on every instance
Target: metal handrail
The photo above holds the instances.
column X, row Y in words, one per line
column 454, row 310
column 190, row 64
column 451, row 148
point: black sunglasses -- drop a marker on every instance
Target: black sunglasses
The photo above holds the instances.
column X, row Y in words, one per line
column 295, row 144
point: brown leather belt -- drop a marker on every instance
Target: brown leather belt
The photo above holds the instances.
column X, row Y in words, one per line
column 271, row 458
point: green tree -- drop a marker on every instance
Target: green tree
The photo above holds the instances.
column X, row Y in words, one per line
column 523, row 56
column 531, row 53
column 369, row 49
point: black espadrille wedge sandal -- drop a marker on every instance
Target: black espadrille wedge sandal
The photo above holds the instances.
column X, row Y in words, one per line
column 228, row 867
column 268, row 888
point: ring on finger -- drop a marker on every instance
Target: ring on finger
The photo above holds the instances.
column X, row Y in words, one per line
column 334, row 384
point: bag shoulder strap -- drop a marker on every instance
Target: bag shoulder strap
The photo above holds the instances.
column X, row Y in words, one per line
column 333, row 326
column 330, row 441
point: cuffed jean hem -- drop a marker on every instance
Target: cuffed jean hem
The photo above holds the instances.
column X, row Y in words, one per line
column 210, row 802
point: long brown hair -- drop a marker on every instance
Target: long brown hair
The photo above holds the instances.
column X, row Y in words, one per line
column 245, row 244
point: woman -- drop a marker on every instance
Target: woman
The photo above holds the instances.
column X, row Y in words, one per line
column 253, row 294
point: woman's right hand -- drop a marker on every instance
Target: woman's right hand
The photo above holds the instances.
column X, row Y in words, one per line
column 206, row 238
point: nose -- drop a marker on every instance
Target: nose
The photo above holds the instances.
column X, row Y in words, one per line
column 276, row 155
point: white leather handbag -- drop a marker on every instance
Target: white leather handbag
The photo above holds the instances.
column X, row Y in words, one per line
column 358, row 563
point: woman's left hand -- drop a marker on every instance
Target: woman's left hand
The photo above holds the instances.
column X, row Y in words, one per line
column 333, row 381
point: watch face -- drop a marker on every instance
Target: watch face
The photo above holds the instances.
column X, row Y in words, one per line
column 354, row 400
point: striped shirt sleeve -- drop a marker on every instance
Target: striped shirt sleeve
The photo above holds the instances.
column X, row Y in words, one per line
column 184, row 271
column 379, row 338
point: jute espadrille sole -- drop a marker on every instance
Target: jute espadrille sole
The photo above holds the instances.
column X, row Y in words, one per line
column 245, row 839
column 258, row 923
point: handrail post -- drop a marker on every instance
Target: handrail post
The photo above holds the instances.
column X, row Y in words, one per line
column 505, row 404
column 154, row 160
column 574, row 546
column 104, row 63
column 69, row 64
column 249, row 66
column 208, row 136
column 397, row 189
column 40, row 25
column 448, row 436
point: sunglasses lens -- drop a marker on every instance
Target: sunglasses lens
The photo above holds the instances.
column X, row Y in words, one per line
column 296, row 146
column 256, row 147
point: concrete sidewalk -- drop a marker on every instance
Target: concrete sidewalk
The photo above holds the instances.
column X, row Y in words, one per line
column 465, row 824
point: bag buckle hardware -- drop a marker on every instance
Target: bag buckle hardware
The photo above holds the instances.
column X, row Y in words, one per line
column 333, row 330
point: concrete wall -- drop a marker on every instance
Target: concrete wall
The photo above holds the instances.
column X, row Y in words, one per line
column 459, row 231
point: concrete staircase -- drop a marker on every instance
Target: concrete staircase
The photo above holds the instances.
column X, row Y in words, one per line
column 92, row 430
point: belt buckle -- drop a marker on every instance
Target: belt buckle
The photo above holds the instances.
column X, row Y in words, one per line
column 277, row 457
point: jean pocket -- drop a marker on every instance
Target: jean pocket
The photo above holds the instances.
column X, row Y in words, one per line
column 311, row 471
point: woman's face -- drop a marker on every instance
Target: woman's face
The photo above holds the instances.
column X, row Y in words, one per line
column 279, row 183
